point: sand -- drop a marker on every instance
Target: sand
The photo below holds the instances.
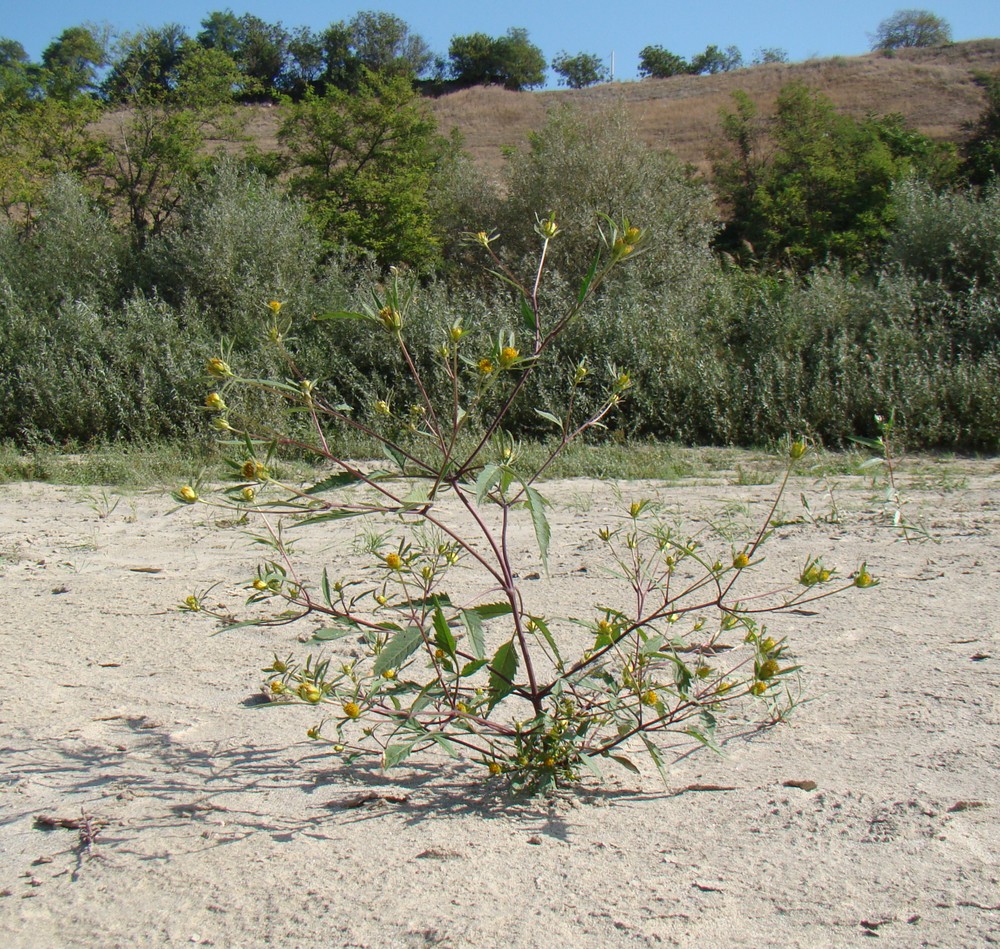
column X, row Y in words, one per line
column 148, row 801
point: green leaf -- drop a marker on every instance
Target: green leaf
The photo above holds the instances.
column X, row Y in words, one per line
column 329, row 634
column 487, row 481
column 587, row 280
column 443, row 637
column 543, row 628
column 528, row 316
column 398, row 650
column 473, row 622
column 536, row 505
column 337, row 515
column 396, row 754
column 448, row 746
column 625, row 763
column 471, row 668
column 395, row 455
column 503, row 668
column 549, row 417
column 592, row 766
column 654, row 753
column 488, row 611
column 341, row 480
column 325, row 586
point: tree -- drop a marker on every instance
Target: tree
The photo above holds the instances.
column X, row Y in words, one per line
column 147, row 63
column 383, row 43
column 70, row 64
column 911, row 28
column 655, row 62
column 715, row 60
column 511, row 61
column 17, row 83
column 581, row 70
column 259, row 49
column 981, row 152
column 770, row 54
column 141, row 166
column 364, row 160
column 824, row 187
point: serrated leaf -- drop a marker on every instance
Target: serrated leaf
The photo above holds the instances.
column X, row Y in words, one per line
column 473, row 622
column 394, row 455
column 503, row 668
column 536, row 505
column 487, row 481
column 445, row 743
column 398, row 650
column 341, row 480
column 488, row 611
column 328, row 634
column 443, row 637
column 471, row 668
column 396, row 754
column 339, row 514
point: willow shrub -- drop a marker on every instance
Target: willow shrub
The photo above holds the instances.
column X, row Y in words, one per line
column 443, row 651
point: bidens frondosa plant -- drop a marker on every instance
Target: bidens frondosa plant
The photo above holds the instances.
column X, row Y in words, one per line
column 446, row 653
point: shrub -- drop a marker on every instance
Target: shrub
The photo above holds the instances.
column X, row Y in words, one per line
column 482, row 674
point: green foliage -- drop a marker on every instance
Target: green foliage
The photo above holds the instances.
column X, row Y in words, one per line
column 539, row 700
column 823, row 188
column 951, row 237
column 590, row 165
column 714, row 60
column 158, row 145
column 146, row 63
column 981, row 151
column 581, row 70
column 911, row 28
column 655, row 62
column 364, row 160
column 511, row 60
column 71, row 63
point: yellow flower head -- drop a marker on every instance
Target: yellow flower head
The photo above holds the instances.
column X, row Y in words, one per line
column 259, row 584
column 352, row 709
column 391, row 318
column 218, row 368
column 494, row 768
column 188, row 494
column 649, row 697
column 486, row 366
column 393, row 561
column 192, row 603
column 253, row 470
column 741, row 560
column 274, row 306
column 215, row 402
column 508, row 356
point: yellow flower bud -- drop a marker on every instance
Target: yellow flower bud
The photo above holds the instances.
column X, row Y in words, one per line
column 274, row 306
column 188, row 494
column 352, row 709
column 192, row 603
column 758, row 688
column 740, row 561
column 494, row 768
column 393, row 561
column 649, row 697
column 391, row 318
column 215, row 402
column 382, row 408
column 796, row 450
column 508, row 355
column 259, row 584
column 389, row 674
column 278, row 687
column 863, row 579
column 248, row 493
column 767, row 670
column 218, row 368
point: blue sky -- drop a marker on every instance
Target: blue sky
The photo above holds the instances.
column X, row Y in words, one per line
column 804, row 28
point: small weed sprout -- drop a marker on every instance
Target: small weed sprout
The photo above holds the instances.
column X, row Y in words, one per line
column 892, row 502
column 446, row 654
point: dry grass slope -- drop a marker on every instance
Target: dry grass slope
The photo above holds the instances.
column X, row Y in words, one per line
column 934, row 89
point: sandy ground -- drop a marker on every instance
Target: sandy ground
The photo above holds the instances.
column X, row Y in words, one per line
column 185, row 816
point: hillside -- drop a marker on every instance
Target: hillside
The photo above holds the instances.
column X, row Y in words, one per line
column 933, row 89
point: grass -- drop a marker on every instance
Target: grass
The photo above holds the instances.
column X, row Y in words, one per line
column 165, row 466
